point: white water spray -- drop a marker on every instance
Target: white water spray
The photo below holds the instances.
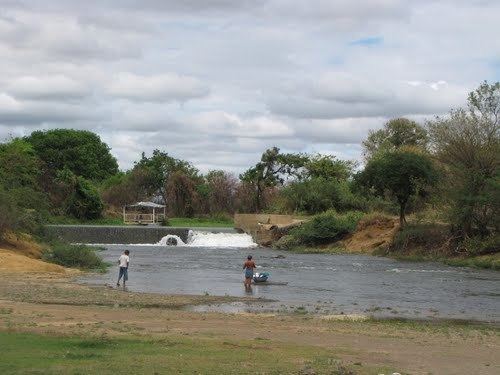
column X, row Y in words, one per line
column 208, row 239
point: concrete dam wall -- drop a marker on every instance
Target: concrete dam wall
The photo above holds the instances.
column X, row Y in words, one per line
column 114, row 234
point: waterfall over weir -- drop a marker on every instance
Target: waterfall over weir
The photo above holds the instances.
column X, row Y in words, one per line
column 207, row 239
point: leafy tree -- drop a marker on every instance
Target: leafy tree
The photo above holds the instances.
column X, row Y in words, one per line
column 159, row 167
column 395, row 134
column 19, row 165
column 182, row 195
column 273, row 169
column 328, row 167
column 401, row 174
column 319, row 194
column 221, row 191
column 83, row 200
column 80, row 151
column 467, row 143
column 126, row 188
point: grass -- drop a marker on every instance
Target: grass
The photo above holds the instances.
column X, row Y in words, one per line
column 64, row 220
column 75, row 256
column 201, row 222
column 174, row 221
column 28, row 353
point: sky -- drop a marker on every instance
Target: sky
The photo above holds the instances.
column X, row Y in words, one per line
column 216, row 82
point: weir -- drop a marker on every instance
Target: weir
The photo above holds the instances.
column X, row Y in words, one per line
column 109, row 234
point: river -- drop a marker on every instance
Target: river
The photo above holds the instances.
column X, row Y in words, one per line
column 318, row 283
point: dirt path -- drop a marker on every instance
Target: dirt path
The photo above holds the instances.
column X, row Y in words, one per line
column 411, row 347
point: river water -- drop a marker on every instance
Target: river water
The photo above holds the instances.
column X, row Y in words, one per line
column 319, row 283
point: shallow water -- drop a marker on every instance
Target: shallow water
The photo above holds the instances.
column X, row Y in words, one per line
column 329, row 284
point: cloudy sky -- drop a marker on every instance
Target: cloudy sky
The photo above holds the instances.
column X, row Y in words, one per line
column 218, row 81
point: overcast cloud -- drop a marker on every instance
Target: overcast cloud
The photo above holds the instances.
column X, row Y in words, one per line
column 218, row 81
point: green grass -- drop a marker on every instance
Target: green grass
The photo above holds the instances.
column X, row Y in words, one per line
column 77, row 256
column 27, row 353
column 173, row 221
column 200, row 222
column 64, row 220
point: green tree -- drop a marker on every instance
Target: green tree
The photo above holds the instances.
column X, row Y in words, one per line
column 19, row 164
column 467, row 143
column 395, row 134
column 158, row 169
column 273, row 169
column 399, row 173
column 182, row 194
column 80, row 151
column 83, row 200
column 328, row 167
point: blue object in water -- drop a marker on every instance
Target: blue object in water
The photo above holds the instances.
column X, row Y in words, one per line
column 260, row 277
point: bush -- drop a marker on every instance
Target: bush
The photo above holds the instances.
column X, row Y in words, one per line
column 76, row 256
column 326, row 227
column 286, row 242
column 479, row 246
column 318, row 195
column 424, row 237
column 85, row 202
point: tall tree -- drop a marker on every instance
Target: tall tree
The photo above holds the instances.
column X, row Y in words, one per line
column 395, row 134
column 467, row 143
column 273, row 169
column 401, row 174
column 159, row 167
column 80, row 151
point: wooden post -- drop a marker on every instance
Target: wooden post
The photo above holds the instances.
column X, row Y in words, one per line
column 153, row 215
column 124, row 222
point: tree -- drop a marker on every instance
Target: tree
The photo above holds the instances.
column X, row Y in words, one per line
column 401, row 174
column 159, row 167
column 221, row 191
column 19, row 165
column 328, row 167
column 80, row 151
column 467, row 143
column 181, row 194
column 395, row 134
column 83, row 200
column 273, row 169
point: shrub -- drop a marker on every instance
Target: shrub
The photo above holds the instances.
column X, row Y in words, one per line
column 427, row 237
column 85, row 202
column 479, row 246
column 77, row 256
column 326, row 227
column 318, row 195
column 286, row 242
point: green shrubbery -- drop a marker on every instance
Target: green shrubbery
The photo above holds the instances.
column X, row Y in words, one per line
column 318, row 195
column 76, row 256
column 326, row 227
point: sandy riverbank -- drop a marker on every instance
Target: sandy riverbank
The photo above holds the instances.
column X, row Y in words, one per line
column 56, row 306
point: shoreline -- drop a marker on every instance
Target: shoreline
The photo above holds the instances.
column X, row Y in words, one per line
column 39, row 308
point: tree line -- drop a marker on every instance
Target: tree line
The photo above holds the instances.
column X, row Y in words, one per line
column 450, row 163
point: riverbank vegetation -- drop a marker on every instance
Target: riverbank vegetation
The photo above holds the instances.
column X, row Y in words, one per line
column 441, row 179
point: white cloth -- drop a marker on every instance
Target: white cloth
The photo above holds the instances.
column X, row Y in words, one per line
column 124, row 259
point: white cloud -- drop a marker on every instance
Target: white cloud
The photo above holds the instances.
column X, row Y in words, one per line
column 57, row 87
column 158, row 88
column 217, row 82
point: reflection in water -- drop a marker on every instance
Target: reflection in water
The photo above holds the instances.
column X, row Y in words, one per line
column 315, row 282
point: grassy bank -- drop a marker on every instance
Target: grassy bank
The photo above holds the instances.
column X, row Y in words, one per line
column 215, row 222
column 201, row 222
column 33, row 353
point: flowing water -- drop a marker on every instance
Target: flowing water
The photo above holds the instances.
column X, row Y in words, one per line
column 327, row 284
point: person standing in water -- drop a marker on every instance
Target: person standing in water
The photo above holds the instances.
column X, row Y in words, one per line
column 248, row 266
column 123, row 262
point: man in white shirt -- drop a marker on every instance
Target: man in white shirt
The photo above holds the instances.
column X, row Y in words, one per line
column 123, row 262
